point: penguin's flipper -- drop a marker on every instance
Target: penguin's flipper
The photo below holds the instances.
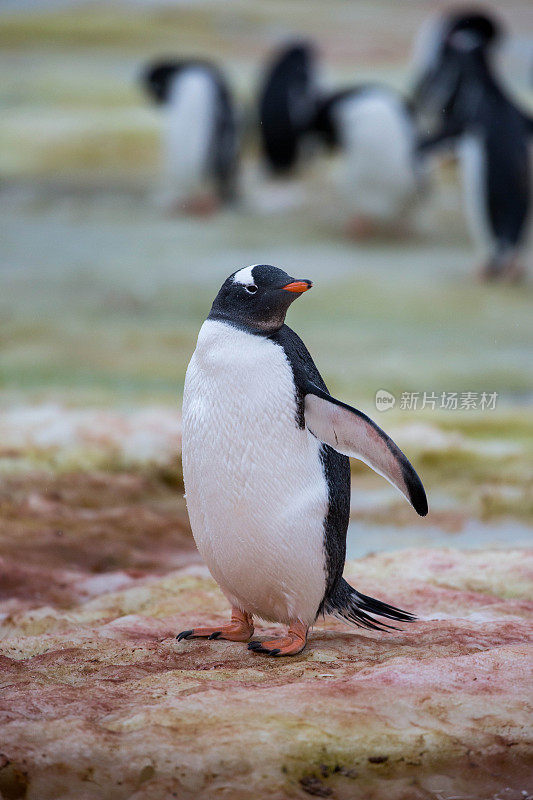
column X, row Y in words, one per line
column 352, row 433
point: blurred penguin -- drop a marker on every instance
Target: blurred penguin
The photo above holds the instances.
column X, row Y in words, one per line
column 371, row 127
column 460, row 103
column 432, row 34
column 287, row 105
column 200, row 139
column 381, row 174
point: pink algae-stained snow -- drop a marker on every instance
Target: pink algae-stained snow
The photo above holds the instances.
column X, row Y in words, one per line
column 100, row 701
column 136, row 436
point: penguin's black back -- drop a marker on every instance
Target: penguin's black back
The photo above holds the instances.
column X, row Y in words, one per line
column 503, row 132
column 507, row 169
column 286, row 105
column 225, row 144
column 336, row 466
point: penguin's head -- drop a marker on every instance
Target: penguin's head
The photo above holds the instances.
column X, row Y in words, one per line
column 257, row 298
column 476, row 29
column 463, row 39
column 157, row 78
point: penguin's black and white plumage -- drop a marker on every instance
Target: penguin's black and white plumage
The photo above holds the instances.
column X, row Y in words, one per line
column 287, row 103
column 436, row 29
column 201, row 132
column 266, row 470
column 373, row 129
column 460, row 103
column 370, row 126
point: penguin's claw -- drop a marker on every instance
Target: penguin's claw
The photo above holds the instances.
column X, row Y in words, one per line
column 231, row 632
column 184, row 635
column 257, row 647
column 239, row 629
column 289, row 645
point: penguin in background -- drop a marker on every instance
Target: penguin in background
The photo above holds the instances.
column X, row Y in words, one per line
column 432, row 34
column 461, row 104
column 200, row 141
column 266, row 469
column 370, row 126
column 287, row 104
column 381, row 172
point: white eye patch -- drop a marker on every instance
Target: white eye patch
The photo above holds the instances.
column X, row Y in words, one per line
column 245, row 276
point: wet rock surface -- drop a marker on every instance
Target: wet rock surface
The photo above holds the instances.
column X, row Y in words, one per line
column 98, row 699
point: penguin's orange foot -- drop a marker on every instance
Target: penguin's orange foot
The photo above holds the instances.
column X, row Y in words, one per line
column 361, row 227
column 511, row 270
column 289, row 645
column 201, row 206
column 239, row 629
column 488, row 271
column 514, row 272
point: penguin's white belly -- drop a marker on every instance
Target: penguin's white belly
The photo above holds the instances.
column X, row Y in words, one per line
column 255, row 487
column 472, row 162
column 378, row 140
column 189, row 131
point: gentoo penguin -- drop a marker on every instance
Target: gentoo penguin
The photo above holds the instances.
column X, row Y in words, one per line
column 266, row 468
column 438, row 27
column 201, row 138
column 381, row 172
column 460, row 102
column 287, row 100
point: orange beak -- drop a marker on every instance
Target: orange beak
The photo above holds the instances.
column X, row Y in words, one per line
column 298, row 286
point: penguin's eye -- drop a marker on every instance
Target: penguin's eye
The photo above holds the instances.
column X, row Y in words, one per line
column 251, row 289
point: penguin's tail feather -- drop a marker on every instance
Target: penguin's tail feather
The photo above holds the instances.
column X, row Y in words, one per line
column 349, row 605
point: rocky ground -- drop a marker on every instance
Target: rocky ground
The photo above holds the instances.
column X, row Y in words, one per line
column 99, row 573
column 100, row 701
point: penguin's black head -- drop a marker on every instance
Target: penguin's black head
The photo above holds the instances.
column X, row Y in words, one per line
column 474, row 29
column 157, row 78
column 257, row 298
column 295, row 59
column 462, row 53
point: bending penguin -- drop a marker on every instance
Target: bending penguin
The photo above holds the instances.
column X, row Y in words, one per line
column 200, row 139
column 433, row 33
column 287, row 103
column 266, row 468
column 381, row 172
column 371, row 126
column 460, row 103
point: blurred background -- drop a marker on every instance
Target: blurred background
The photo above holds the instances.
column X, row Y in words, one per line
column 103, row 288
